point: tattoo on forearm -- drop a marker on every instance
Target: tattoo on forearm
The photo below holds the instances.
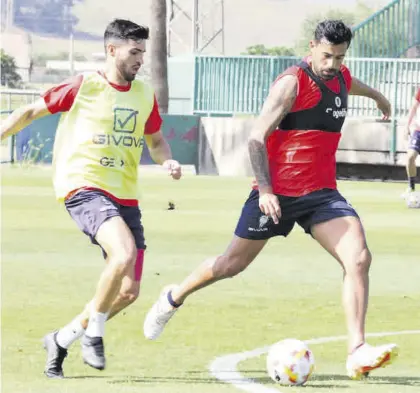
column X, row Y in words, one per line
column 274, row 111
column 259, row 162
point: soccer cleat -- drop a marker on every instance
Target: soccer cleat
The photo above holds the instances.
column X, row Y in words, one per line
column 55, row 356
column 367, row 358
column 158, row 316
column 93, row 351
column 407, row 193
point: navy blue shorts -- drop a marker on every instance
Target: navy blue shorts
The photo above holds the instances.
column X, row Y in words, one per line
column 415, row 141
column 91, row 208
column 308, row 210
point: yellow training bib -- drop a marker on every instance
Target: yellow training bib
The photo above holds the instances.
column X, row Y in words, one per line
column 99, row 141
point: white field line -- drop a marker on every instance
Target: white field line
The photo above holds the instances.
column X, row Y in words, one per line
column 224, row 368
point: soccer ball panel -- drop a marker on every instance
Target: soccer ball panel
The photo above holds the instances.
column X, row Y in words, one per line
column 290, row 362
column 413, row 200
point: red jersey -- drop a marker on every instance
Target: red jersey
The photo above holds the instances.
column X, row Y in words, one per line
column 415, row 123
column 301, row 152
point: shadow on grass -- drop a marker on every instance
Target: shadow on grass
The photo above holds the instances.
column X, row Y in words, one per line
column 317, row 381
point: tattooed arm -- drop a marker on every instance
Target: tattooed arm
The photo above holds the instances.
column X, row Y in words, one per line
column 277, row 105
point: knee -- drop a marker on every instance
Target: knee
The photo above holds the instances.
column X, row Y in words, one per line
column 360, row 262
column 124, row 259
column 228, row 266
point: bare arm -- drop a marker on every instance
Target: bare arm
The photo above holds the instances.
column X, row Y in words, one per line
column 277, row 105
column 22, row 117
column 160, row 152
column 358, row 88
column 159, row 149
column 412, row 114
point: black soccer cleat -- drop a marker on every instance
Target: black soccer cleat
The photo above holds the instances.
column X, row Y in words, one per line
column 55, row 356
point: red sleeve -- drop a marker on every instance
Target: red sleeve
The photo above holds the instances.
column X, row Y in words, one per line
column 60, row 98
column 154, row 122
column 418, row 95
column 347, row 76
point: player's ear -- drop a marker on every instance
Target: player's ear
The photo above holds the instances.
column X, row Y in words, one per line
column 110, row 49
column 312, row 47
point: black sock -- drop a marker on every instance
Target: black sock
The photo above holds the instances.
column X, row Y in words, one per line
column 412, row 181
column 171, row 301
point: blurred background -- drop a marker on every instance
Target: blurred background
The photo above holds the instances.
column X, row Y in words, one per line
column 212, row 62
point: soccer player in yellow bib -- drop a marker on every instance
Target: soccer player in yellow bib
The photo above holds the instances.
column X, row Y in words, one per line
column 105, row 118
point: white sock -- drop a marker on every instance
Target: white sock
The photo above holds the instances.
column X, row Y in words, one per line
column 70, row 333
column 96, row 325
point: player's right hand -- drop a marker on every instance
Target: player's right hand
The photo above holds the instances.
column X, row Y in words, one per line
column 174, row 169
column 408, row 133
column 270, row 206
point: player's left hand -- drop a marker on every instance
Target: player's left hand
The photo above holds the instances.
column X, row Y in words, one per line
column 174, row 168
column 384, row 106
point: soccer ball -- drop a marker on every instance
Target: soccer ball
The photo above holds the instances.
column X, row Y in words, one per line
column 413, row 200
column 290, row 362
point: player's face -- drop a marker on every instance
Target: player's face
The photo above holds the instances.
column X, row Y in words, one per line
column 129, row 58
column 327, row 58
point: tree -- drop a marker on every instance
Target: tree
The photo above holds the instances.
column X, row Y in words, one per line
column 9, row 76
column 159, row 56
column 261, row 50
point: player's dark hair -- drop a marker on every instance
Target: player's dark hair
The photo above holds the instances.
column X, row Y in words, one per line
column 125, row 30
column 334, row 31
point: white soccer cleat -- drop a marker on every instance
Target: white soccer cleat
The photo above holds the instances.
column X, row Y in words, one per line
column 367, row 358
column 159, row 315
column 406, row 193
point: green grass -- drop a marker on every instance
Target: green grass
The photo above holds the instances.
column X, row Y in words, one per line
column 49, row 271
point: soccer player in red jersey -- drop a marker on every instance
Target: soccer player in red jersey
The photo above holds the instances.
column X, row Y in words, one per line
column 413, row 133
column 292, row 150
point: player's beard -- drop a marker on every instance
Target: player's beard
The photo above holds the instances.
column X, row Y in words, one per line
column 127, row 72
column 328, row 74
